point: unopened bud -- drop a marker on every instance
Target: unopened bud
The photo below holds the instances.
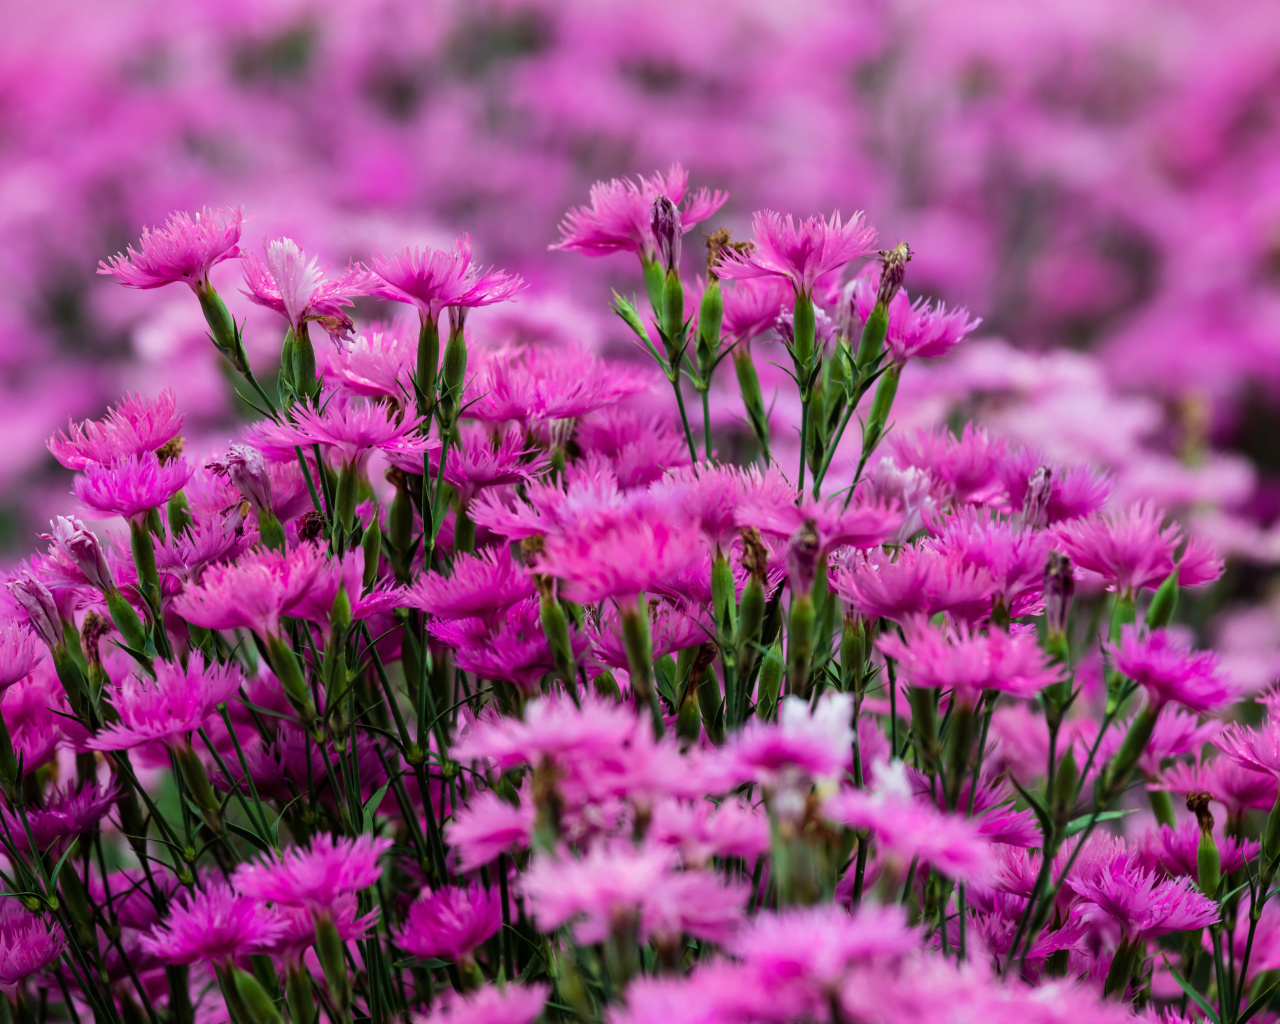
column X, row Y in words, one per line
column 76, row 541
column 311, row 526
column 1035, row 506
column 893, row 269
column 36, row 599
column 1208, row 858
column 802, row 557
column 667, row 233
column 245, row 467
column 1059, row 588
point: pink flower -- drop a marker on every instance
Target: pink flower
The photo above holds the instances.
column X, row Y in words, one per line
column 298, row 291
column 73, row 541
column 379, row 364
column 1074, row 490
column 183, row 250
column 671, row 629
column 964, row 467
column 548, row 507
column 817, row 745
column 620, row 216
column 168, row 709
column 906, row 829
column 66, row 812
column 253, row 592
column 351, row 429
column 1256, row 749
column 20, row 652
column 920, row 582
column 132, row 486
column 33, row 597
column 552, row 728
column 433, row 279
column 701, row 830
column 915, row 329
column 514, row 648
column 514, row 1004
column 245, row 467
column 314, row 878
column 1238, row 788
column 1132, row 549
column 1169, row 671
column 481, row 585
column 1135, row 904
column 213, row 925
column 752, row 307
column 451, row 923
column 134, row 426
column 27, row 946
column 479, row 462
column 1174, row 850
column 486, row 826
column 1013, row 558
column 299, row 934
column 800, row 254
column 770, row 505
column 969, row 663
column 317, row 602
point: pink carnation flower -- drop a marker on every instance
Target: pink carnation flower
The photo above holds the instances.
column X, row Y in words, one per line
column 513, row 648
column 1239, row 789
column 168, row 709
column 254, row 592
column 514, row 1004
column 1013, row 558
column 915, row 329
column 317, row 877
column 752, row 307
column 214, row 925
column 483, row 585
column 451, row 922
column 701, row 830
column 800, row 254
column 1074, row 490
column 1174, row 850
column 486, row 826
column 297, row 289
column 816, row 745
column 551, row 728
column 350, row 429
column 1169, row 671
column 920, row 582
column 1134, row 904
column 620, row 215
column 1256, row 749
column 66, row 812
column 434, row 279
column 134, row 426
column 20, row 652
column 1131, row 549
column 479, row 462
column 27, row 946
column 132, row 486
column 964, row 467
column 378, row 364
column 769, row 503
column 183, row 250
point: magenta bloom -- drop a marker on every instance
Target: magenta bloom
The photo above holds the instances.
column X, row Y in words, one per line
column 769, row 503
column 66, row 812
column 298, row 291
column 700, row 829
column 1174, row 850
column 1238, row 788
column 1169, row 671
column 351, row 429
column 253, row 592
column 915, row 329
column 920, row 582
column 315, row 878
column 132, row 486
column 74, row 542
column 514, row 1004
column 486, row 826
column 214, row 925
column 247, row 470
column 1133, row 904
column 299, row 934
column 1013, row 558
column 968, row 663
column 134, row 427
column 752, row 307
column 477, row 462
column 513, row 649
column 1074, row 490
column 38, row 602
column 801, row 254
column 620, row 215
column 168, row 709
column 963, row 467
column 1256, row 749
column 27, row 946
column 1132, row 549
column 483, row 585
column 433, row 279
column 816, row 746
column 450, row 923
column 554, row 729
column 183, row 250
column 379, row 364
column 20, row 652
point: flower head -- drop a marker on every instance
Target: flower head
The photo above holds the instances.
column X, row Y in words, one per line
column 915, row 329
column 1073, row 490
column 183, row 250
column 481, row 585
column 487, row 826
column 450, row 922
column 317, row 877
column 963, row 468
column 434, row 279
column 213, row 925
column 799, row 253
column 168, row 709
column 1136, row 904
column 752, row 307
column 350, row 429
column 245, row 467
column 35, row 599
column 378, row 364
column 66, row 812
column 253, row 592
column 510, row 646
column 134, row 426
column 620, row 215
column 297, row 289
column 132, row 486
column 1256, row 749
column 1169, row 671
column 816, row 746
column 919, row 582
column 27, row 945
column 74, row 540
column 20, row 652
column 514, row 1004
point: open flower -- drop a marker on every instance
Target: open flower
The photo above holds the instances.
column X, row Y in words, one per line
column 1169, row 671
column 135, row 426
column 450, row 922
column 183, row 250
column 170, row 707
column 297, row 289
column 799, row 253
column 132, row 486
column 214, row 925
column 436, row 279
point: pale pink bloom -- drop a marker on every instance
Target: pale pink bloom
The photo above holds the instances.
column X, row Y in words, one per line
column 486, row 826
column 132, row 486
column 799, row 253
column 909, row 489
column 1169, row 671
column 451, row 922
column 27, row 945
column 379, row 363
column 20, row 652
column 245, row 467
column 170, row 707
column 1238, row 788
column 620, row 216
column 73, row 540
column 918, row 582
column 965, row 467
column 534, row 386
column 66, row 812
column 639, row 449
column 183, row 250
column 213, row 925
column 298, row 290
column 478, row 462
column 514, row 1004
column 1132, row 549
column 549, row 507
column 816, row 745
column 317, row 877
column 135, row 425
column 752, row 307
column 701, row 830
column 1174, row 850
column 513, row 647
column 483, row 585
column 1131, row 904
column 255, row 592
column 906, row 829
column 915, row 329
column 969, row 663
column 1074, row 490
column 352, row 429
column 434, row 279
column 552, row 727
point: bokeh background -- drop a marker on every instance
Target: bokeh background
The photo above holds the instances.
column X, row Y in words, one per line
column 1099, row 181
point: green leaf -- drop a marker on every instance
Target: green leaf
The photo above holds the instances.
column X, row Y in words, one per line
column 248, row 835
column 1196, row 997
column 1259, row 1001
column 57, row 868
column 371, row 805
column 1081, row 823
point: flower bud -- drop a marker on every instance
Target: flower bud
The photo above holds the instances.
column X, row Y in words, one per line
column 803, row 550
column 710, row 318
column 770, row 683
column 1164, row 603
column 222, row 328
column 75, row 540
column 428, row 364
column 1035, row 506
column 245, row 467
column 893, row 269
column 37, row 601
column 638, row 642
column 371, row 543
column 1059, row 588
column 255, row 1002
column 752, row 397
column 667, row 233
